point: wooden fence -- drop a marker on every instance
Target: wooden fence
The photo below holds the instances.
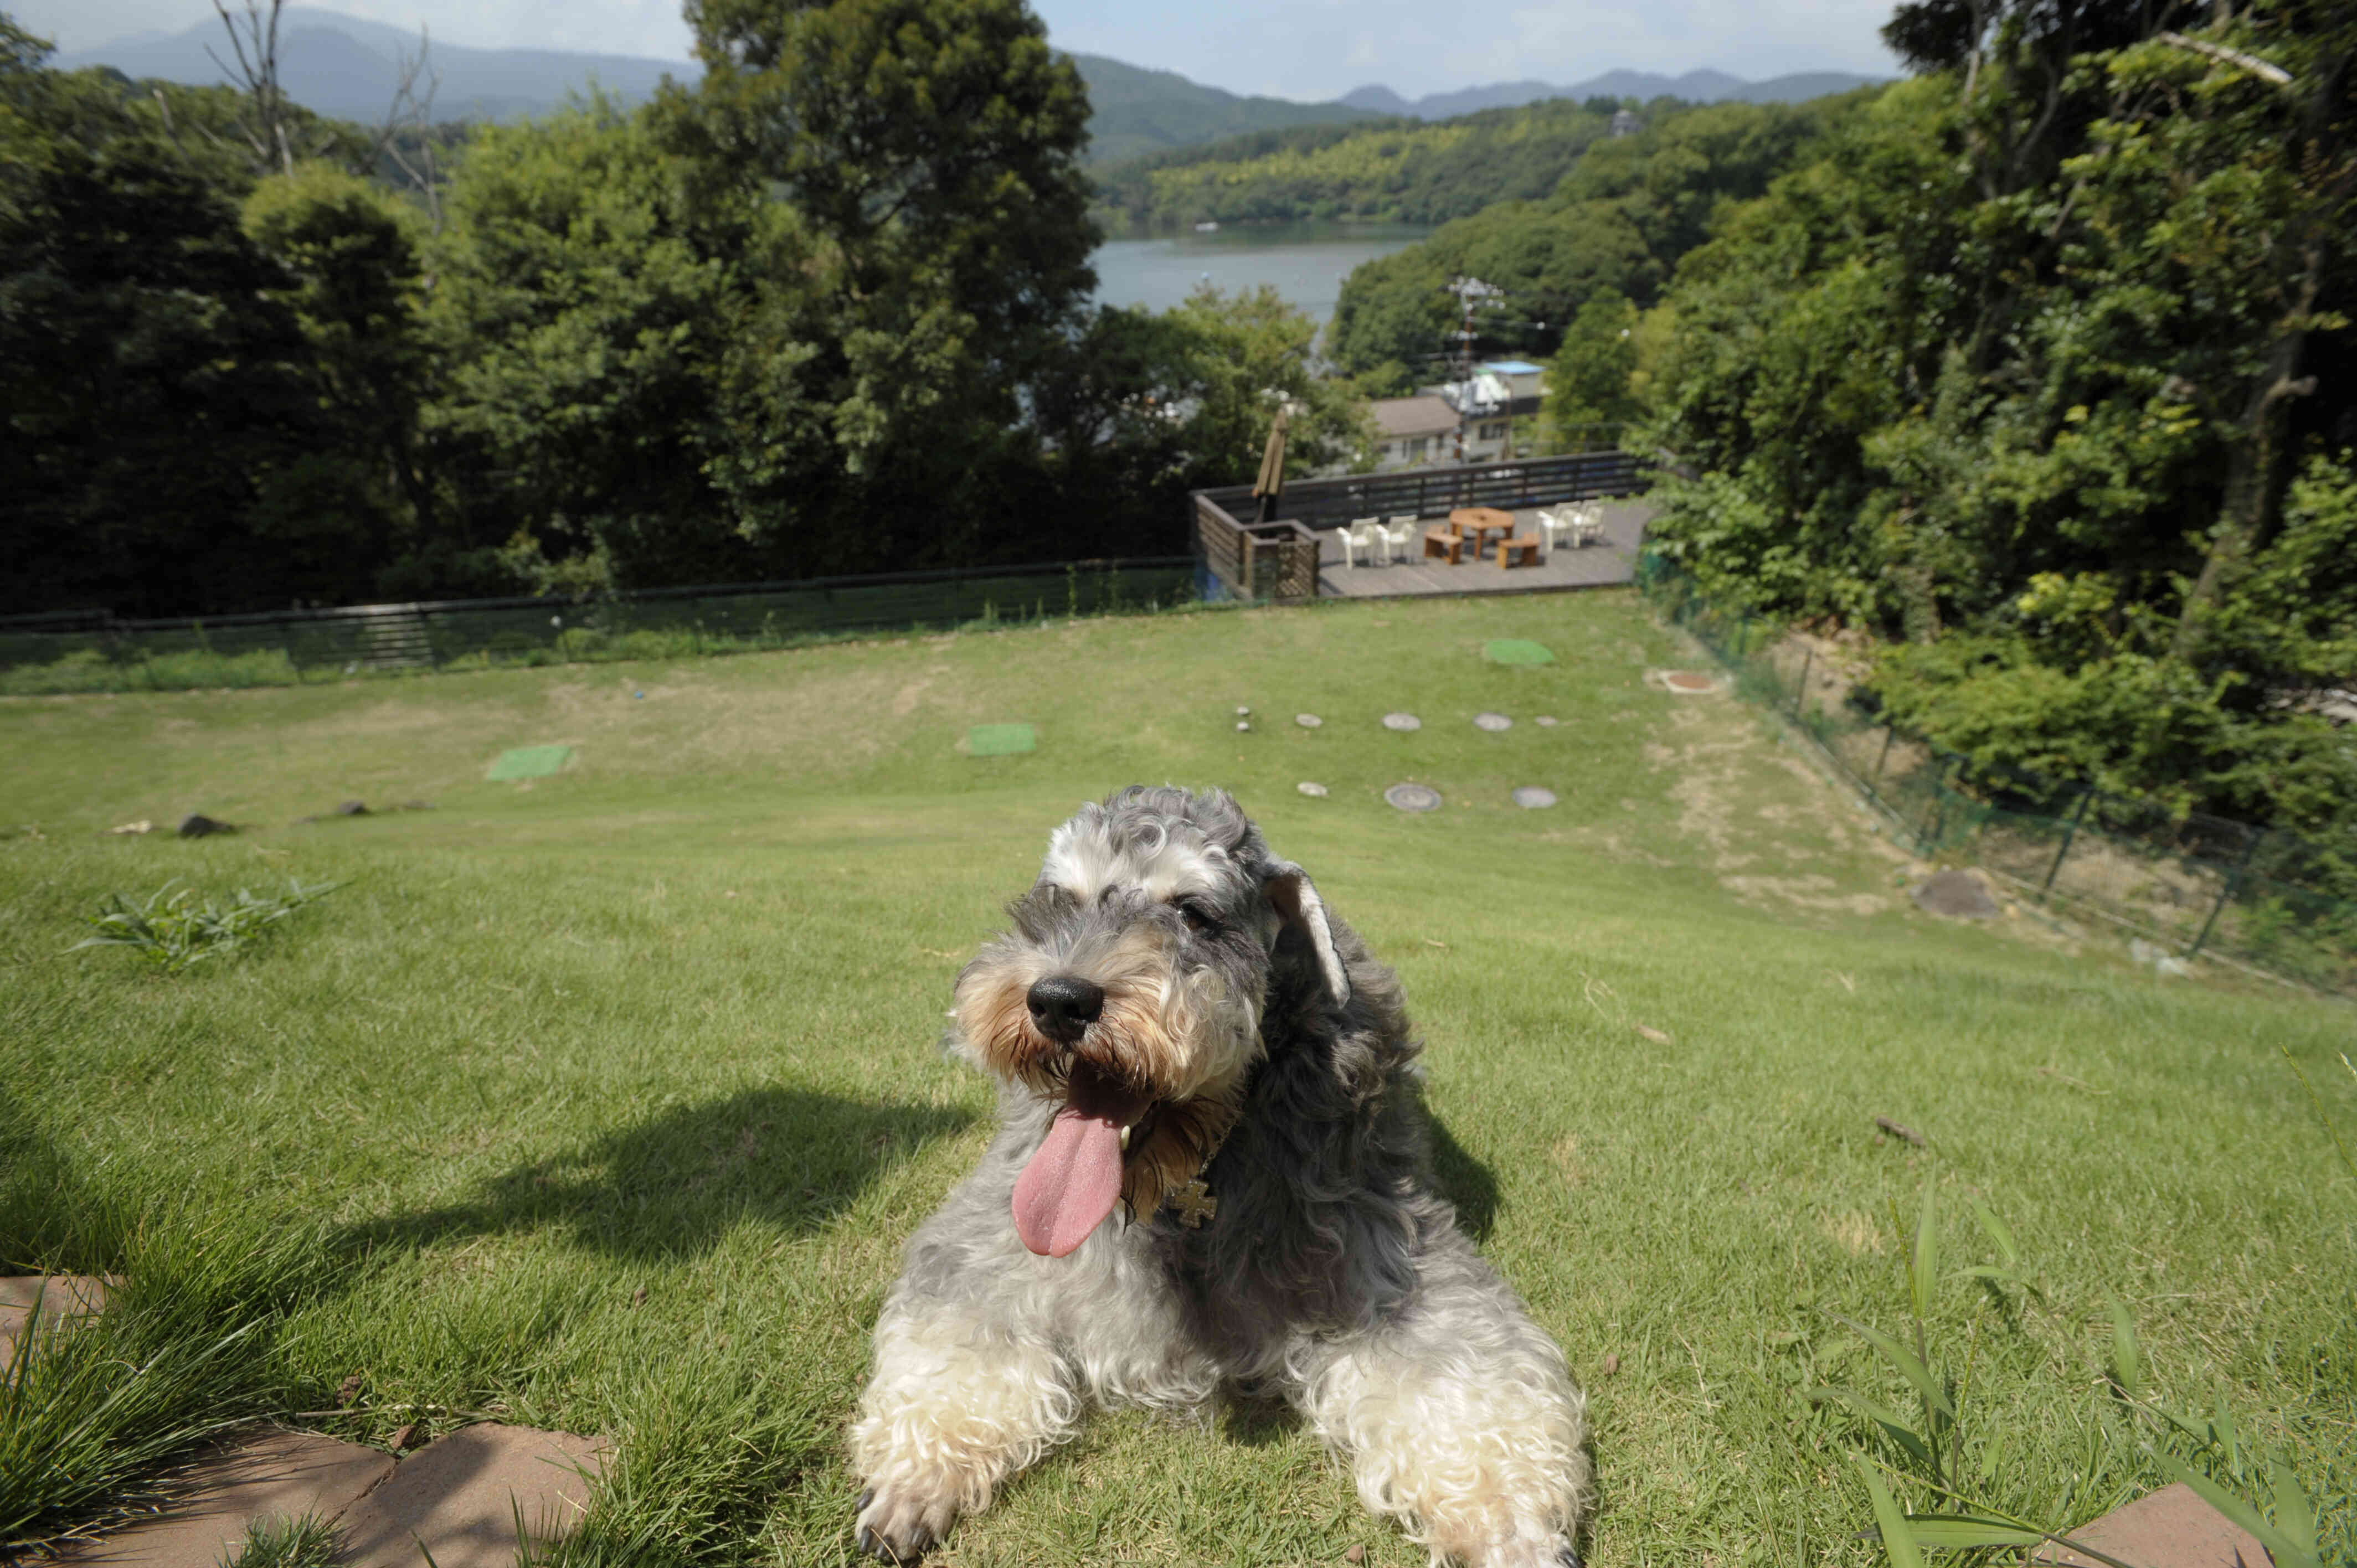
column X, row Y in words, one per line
column 1279, row 559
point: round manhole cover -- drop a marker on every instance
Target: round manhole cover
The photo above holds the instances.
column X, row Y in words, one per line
column 1544, row 721
column 1531, row 798
column 1414, row 796
column 1493, row 722
column 1689, row 681
column 1315, row 790
column 1307, row 721
column 1401, row 721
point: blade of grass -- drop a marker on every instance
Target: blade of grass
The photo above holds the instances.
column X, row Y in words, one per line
column 1899, row 1542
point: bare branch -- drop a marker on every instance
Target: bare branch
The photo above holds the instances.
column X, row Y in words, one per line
column 257, row 72
column 413, row 110
column 2263, row 69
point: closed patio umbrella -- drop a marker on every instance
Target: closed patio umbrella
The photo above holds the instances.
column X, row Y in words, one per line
column 1270, row 486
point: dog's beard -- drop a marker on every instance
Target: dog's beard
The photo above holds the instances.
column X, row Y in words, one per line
column 1145, row 1098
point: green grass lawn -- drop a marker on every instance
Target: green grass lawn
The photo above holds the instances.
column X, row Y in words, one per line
column 605, row 1100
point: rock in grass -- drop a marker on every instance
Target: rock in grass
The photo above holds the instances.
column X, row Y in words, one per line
column 197, row 825
column 459, row 1497
column 213, row 1498
column 2172, row 1528
column 1956, row 895
column 352, row 809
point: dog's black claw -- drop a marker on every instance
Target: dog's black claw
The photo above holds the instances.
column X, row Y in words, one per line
column 883, row 1551
column 859, row 1506
column 1568, row 1557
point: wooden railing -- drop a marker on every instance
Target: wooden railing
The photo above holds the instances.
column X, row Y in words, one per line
column 1256, row 560
column 1435, row 493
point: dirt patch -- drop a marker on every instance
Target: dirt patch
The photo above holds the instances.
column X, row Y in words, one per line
column 1805, row 892
column 1853, row 1232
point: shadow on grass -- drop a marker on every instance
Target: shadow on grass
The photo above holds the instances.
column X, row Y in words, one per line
column 1463, row 1181
column 671, row 1187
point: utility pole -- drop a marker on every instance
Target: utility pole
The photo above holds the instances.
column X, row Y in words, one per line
column 1469, row 292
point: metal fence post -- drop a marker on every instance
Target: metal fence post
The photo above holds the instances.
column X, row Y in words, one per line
column 1874, row 786
column 2226, row 894
column 2070, row 831
column 1801, row 692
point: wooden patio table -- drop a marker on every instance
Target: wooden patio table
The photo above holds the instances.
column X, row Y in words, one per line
column 1481, row 522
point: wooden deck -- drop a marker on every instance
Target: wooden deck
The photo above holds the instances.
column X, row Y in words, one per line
column 1606, row 563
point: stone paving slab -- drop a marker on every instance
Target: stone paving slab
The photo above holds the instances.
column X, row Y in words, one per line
column 273, row 1473
column 459, row 1496
column 66, row 1295
column 2172, row 1528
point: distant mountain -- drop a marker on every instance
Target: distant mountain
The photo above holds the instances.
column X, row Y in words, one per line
column 345, row 66
column 1695, row 87
column 1138, row 111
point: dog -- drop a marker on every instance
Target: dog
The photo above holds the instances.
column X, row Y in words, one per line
column 1210, row 1174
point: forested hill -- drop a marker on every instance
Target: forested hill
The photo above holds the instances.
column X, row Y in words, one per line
column 1397, row 170
column 1133, row 112
column 1583, row 215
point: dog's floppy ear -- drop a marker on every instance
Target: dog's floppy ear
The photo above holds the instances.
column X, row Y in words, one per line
column 1296, row 904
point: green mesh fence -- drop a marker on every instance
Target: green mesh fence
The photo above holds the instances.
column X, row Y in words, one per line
column 97, row 654
column 2190, row 882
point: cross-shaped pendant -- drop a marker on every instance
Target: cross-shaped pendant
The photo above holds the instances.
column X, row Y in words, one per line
column 1194, row 1203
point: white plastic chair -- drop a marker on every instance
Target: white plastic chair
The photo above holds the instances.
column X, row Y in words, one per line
column 1363, row 534
column 1399, row 537
column 1554, row 525
column 1588, row 527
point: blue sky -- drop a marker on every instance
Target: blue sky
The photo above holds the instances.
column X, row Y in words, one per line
column 1289, row 48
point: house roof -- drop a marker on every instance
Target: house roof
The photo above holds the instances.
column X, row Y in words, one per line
column 1398, row 417
column 1514, row 368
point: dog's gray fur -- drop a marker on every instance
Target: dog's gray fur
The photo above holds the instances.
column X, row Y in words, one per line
column 1331, row 1272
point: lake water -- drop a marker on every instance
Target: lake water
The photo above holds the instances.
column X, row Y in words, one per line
column 1306, row 263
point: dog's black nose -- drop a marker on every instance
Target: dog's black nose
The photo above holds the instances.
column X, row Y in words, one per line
column 1063, row 1005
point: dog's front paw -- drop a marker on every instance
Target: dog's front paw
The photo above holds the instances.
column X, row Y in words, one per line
column 897, row 1525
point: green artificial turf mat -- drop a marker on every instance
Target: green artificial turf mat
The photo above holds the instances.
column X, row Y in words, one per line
column 1516, row 650
column 530, row 762
column 1001, row 740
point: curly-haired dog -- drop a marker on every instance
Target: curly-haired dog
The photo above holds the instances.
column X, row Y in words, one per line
column 1211, row 1171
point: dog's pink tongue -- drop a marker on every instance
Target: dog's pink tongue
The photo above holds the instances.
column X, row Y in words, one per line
column 1071, row 1185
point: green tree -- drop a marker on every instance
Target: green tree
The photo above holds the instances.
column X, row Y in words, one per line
column 1589, row 379
column 903, row 182
column 583, row 324
column 351, row 250
column 156, row 391
column 2019, row 372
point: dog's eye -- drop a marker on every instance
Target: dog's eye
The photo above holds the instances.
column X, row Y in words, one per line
column 1199, row 918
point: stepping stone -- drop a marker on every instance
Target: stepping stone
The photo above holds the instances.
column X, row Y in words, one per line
column 1958, row 895
column 1307, row 721
column 1531, row 798
column 1516, row 650
column 1414, row 796
column 1316, row 791
column 274, row 1474
column 529, row 762
column 1545, row 721
column 458, row 1496
column 1493, row 722
column 1401, row 721
column 2172, row 1528
column 66, row 1296
column 1001, row 740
